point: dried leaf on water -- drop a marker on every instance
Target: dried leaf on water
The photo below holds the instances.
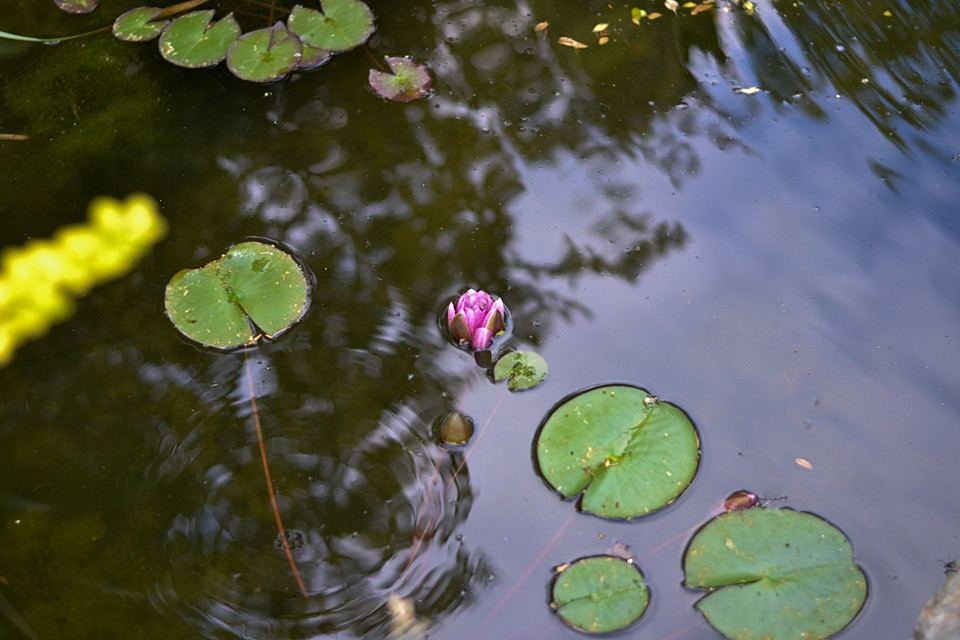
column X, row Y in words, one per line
column 570, row 42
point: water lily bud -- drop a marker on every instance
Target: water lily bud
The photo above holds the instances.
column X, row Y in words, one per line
column 454, row 428
column 476, row 318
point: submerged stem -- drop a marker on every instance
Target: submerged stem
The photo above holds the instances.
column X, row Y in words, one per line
column 266, row 474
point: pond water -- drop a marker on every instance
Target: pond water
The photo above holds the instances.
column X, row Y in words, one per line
column 751, row 216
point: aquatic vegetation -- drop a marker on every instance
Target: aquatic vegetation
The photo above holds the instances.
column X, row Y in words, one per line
column 254, row 290
column 599, row 594
column 476, row 318
column 627, row 451
column 774, row 573
column 40, row 281
column 407, row 80
column 521, row 370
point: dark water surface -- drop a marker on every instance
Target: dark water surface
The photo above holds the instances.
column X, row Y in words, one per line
column 783, row 264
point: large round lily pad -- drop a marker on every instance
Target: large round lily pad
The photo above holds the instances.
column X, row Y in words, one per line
column 627, row 451
column 599, row 594
column 192, row 41
column 139, row 25
column 774, row 573
column 255, row 288
column 264, row 55
column 342, row 25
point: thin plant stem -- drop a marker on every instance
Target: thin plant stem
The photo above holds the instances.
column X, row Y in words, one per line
column 530, row 569
column 266, row 474
column 429, row 492
column 476, row 442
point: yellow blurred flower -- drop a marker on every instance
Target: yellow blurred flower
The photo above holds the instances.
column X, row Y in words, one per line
column 39, row 280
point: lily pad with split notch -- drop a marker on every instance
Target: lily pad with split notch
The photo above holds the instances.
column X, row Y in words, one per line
column 521, row 369
column 774, row 573
column 264, row 55
column 139, row 25
column 339, row 26
column 628, row 452
column 253, row 288
column 599, row 594
column 408, row 80
column 194, row 42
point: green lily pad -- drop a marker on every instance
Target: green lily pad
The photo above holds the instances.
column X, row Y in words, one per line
column 599, row 594
column 138, row 25
column 264, row 55
column 77, row 6
column 522, row 369
column 192, row 41
column 342, row 25
column 407, row 80
column 627, row 451
column 774, row 573
column 254, row 289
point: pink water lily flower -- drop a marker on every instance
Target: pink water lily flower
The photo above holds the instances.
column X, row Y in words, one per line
column 476, row 318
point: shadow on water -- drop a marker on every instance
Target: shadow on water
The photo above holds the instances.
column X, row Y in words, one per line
column 131, row 479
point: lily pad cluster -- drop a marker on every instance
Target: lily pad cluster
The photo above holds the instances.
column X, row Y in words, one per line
column 770, row 573
column 195, row 40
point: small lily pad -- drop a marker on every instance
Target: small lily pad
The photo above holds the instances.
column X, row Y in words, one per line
column 264, row 55
column 407, row 80
column 522, row 370
column 342, row 25
column 254, row 288
column 77, row 6
column 628, row 452
column 599, row 594
column 138, row 25
column 774, row 573
column 192, row 41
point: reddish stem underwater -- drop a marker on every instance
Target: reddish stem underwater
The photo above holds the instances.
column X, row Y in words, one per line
column 266, row 474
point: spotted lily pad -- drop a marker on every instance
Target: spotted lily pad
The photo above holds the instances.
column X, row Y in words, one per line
column 192, row 41
column 139, row 25
column 628, row 452
column 77, row 6
column 774, row 573
column 341, row 26
column 264, row 55
column 521, row 369
column 253, row 289
column 407, row 80
column 599, row 594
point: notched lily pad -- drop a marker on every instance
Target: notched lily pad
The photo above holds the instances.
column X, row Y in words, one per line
column 139, row 25
column 253, row 289
column 340, row 26
column 192, row 41
column 599, row 594
column 77, row 6
column 774, row 573
column 264, row 55
column 628, row 452
column 407, row 80
column 521, row 369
